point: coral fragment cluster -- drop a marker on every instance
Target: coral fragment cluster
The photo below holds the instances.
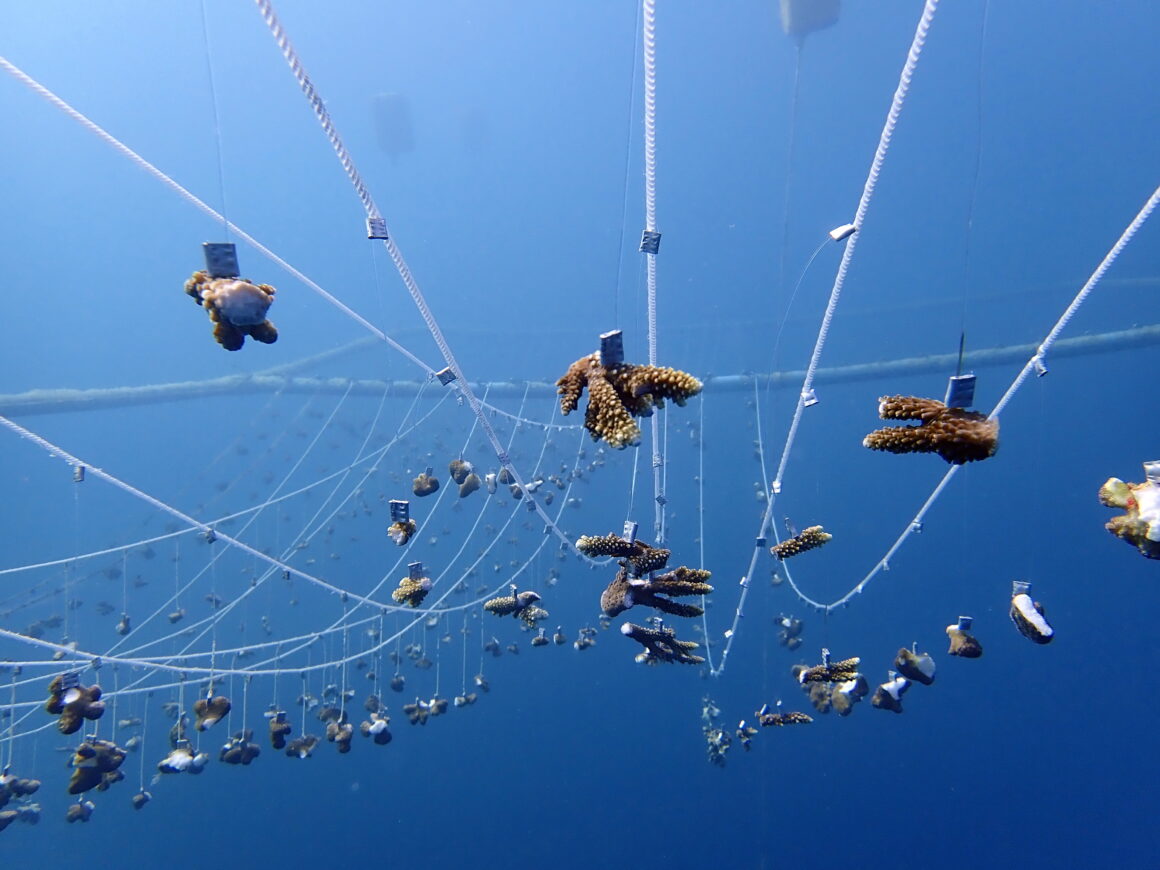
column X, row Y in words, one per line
column 73, row 703
column 619, row 393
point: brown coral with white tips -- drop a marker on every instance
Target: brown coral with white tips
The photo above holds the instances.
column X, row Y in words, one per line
column 661, row 645
column 637, row 556
column 618, row 393
column 73, row 703
column 955, row 434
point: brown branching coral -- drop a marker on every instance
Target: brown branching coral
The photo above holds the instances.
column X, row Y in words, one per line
column 807, row 539
column 955, row 434
column 769, row 719
column 625, row 592
column 661, row 645
column 618, row 393
column 1139, row 525
column 73, row 703
column 236, row 307
column 637, row 556
column 830, row 672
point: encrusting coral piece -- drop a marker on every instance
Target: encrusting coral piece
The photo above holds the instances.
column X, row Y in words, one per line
column 915, row 667
column 182, row 759
column 459, row 469
column 1028, row 615
column 888, row 696
column 1140, row 524
column 955, row 434
column 618, row 393
column 807, row 539
column 73, row 703
column 625, row 592
column 80, row 812
column 210, row 711
column 963, row 643
column 279, row 728
column 302, row 747
column 376, row 727
column 94, row 763
column 661, row 645
column 236, row 307
column 424, row 484
column 637, row 556
column 240, row 749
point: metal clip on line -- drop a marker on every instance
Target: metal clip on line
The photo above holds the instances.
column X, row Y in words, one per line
column 960, row 391
column 377, row 228
column 400, row 510
column 650, row 242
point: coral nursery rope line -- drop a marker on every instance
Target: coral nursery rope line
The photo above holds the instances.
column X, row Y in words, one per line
column 1033, row 364
column 373, row 214
column 892, row 116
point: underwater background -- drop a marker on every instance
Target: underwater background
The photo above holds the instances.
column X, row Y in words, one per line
column 502, row 142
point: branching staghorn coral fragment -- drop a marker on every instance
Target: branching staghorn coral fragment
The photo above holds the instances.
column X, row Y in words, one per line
column 807, row 539
column 618, row 393
column 955, row 434
column 1139, row 525
column 625, row 592
column 637, row 556
column 830, row 672
column 661, row 645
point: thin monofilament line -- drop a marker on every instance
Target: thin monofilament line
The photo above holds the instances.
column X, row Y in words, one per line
column 880, row 152
column 203, row 207
column 892, row 116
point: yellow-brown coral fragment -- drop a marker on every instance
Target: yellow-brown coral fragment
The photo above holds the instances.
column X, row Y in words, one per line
column 661, row 645
column 807, row 539
column 618, row 393
column 411, row 591
column 210, row 711
column 955, row 434
column 236, row 307
column 1140, row 524
column 73, row 703
column 963, row 644
column 302, row 747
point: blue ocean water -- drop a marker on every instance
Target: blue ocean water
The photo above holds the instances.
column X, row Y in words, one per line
column 503, row 144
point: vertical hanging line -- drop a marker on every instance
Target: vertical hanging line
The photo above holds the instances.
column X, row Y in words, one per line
column 648, row 31
column 799, row 43
column 978, row 165
column 217, row 127
column 374, row 216
column 624, row 185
